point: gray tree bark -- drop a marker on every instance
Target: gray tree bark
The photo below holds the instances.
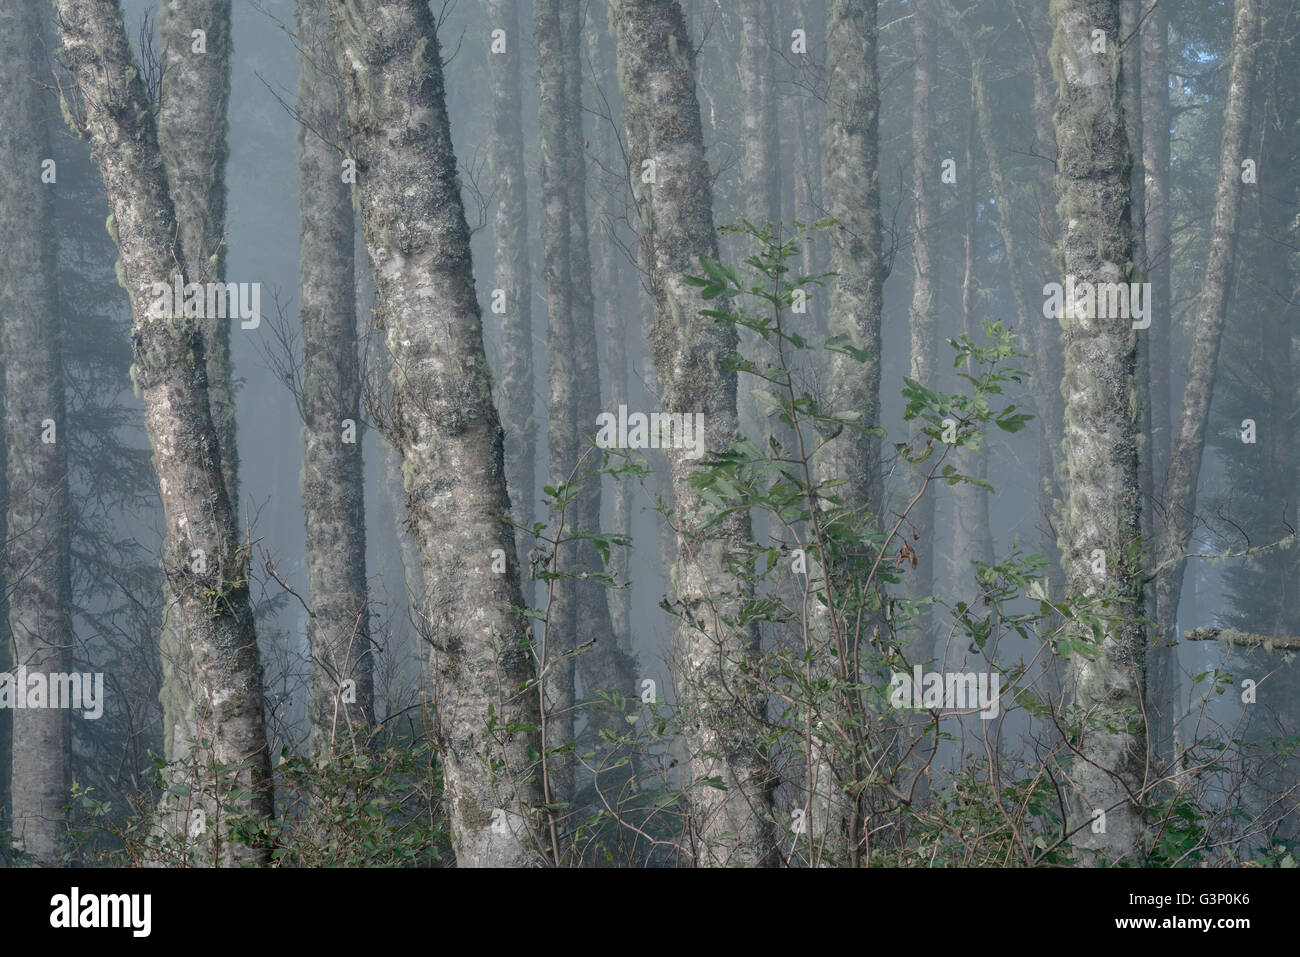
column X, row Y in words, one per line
column 1159, row 248
column 1049, row 362
column 205, row 565
column 657, row 75
column 338, row 626
column 972, row 533
column 922, row 315
column 194, row 95
column 760, row 168
column 851, row 193
column 445, row 426
column 605, row 665
column 37, row 564
column 513, row 266
column 1101, row 425
column 557, row 166
column 609, row 272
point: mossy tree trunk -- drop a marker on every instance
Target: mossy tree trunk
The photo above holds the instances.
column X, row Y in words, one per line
column 194, row 95
column 338, row 626
column 1100, row 531
column 851, row 196
column 445, row 426
column 205, row 565
column 674, row 198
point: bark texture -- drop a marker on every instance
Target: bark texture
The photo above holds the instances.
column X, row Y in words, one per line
column 657, row 75
column 192, row 124
column 194, row 95
column 514, row 269
column 760, row 169
column 36, row 564
column 338, row 628
column 851, row 193
column 1101, row 425
column 205, row 565
column 444, row 424
column 922, row 315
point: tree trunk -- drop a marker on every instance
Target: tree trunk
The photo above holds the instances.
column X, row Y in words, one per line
column 851, row 195
column 923, row 317
column 606, row 664
column 609, row 277
column 851, row 191
column 760, row 168
column 194, row 93
column 1101, row 525
column 37, row 564
column 1049, row 363
column 1159, row 247
column 333, row 495
column 972, row 533
column 206, row 567
column 514, row 270
column 1211, row 310
column 445, row 426
column 656, row 72
column 194, row 96
column 557, row 165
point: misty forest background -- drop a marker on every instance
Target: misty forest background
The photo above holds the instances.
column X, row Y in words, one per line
column 328, row 637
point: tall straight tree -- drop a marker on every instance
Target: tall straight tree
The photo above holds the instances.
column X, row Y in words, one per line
column 604, row 665
column 513, row 266
column 760, row 169
column 851, row 195
column 674, row 199
column 1049, row 363
column 1155, row 169
column 205, row 565
column 338, row 628
column 558, row 127
column 1207, row 328
column 193, row 105
column 445, row 426
column 1162, row 658
column 194, row 95
column 609, row 271
column 36, row 556
column 972, row 535
column 1100, row 531
column 922, row 316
